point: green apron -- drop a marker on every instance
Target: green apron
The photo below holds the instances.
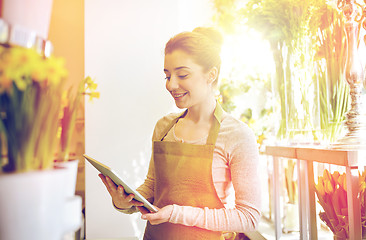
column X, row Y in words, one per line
column 183, row 176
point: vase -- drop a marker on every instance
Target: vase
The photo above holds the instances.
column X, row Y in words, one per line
column 32, row 205
column 71, row 167
column 355, row 77
column 73, row 218
column 291, row 218
column 296, row 96
column 73, row 204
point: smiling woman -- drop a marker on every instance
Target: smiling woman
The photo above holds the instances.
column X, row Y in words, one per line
column 199, row 155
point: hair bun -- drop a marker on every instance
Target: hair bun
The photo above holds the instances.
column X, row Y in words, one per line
column 211, row 33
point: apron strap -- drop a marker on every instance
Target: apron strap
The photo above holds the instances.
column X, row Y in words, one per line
column 171, row 124
column 214, row 131
column 215, row 128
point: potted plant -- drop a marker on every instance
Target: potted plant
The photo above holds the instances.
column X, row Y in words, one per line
column 37, row 115
column 31, row 192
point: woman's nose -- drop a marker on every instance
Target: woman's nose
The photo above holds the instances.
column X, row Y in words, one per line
column 172, row 83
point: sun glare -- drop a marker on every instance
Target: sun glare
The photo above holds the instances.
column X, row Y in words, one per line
column 247, row 60
column 245, row 53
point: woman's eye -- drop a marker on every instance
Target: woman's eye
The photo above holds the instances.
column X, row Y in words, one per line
column 183, row 76
column 167, row 78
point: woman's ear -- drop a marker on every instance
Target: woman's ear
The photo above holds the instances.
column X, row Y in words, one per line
column 212, row 75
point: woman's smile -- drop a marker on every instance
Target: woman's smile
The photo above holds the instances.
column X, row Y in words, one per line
column 178, row 96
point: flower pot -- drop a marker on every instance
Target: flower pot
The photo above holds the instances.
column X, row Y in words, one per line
column 71, row 167
column 72, row 214
column 72, row 219
column 291, row 218
column 32, row 205
column 31, row 15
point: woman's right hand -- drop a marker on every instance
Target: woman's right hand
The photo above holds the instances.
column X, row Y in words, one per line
column 120, row 198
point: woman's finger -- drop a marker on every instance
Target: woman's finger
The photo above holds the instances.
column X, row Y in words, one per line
column 143, row 210
column 104, row 182
column 121, row 191
column 118, row 194
column 136, row 203
column 111, row 184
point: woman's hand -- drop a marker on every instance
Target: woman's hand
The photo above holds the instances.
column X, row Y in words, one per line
column 119, row 197
column 161, row 216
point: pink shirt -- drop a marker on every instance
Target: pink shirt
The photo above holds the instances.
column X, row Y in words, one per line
column 234, row 170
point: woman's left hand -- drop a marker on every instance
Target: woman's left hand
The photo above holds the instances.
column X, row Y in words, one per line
column 161, row 216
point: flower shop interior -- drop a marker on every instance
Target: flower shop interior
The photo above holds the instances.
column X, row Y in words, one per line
column 86, row 77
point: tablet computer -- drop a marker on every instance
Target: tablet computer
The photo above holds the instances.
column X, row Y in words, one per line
column 107, row 171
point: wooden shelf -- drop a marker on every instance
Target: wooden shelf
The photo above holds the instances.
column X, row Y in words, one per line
column 305, row 156
column 351, row 158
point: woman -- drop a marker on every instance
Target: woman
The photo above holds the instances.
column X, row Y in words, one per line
column 198, row 155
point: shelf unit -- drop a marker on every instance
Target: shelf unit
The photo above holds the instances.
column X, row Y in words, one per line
column 352, row 160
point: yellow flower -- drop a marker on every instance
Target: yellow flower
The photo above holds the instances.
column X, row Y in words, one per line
column 342, row 181
column 20, row 63
column 90, row 84
column 362, row 186
column 326, row 175
column 90, row 88
column 94, row 95
column 261, row 138
column 328, row 187
column 320, row 186
column 55, row 70
column 23, row 65
column 335, row 176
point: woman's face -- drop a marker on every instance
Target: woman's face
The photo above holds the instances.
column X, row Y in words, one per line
column 186, row 81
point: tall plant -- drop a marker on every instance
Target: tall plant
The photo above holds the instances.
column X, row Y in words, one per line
column 230, row 16
column 307, row 44
column 330, row 62
column 297, row 21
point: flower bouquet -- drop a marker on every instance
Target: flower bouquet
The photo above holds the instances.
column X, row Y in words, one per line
column 30, row 103
column 331, row 190
column 31, row 88
column 35, row 109
column 37, row 113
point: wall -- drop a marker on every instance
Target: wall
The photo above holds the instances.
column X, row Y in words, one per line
column 124, row 42
column 66, row 32
column 67, row 35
